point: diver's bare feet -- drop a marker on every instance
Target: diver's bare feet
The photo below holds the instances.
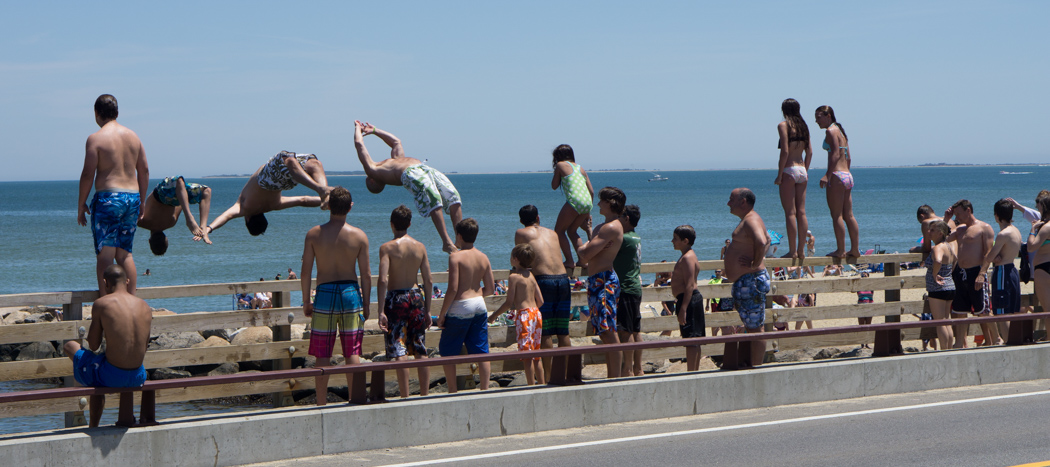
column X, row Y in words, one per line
column 325, row 196
column 790, row 254
column 203, row 235
column 836, row 254
column 854, row 253
column 449, row 248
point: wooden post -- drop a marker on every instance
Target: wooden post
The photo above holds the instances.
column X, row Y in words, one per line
column 891, row 345
column 282, row 333
column 73, row 311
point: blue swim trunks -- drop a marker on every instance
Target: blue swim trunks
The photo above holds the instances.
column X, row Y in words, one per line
column 166, row 191
column 466, row 324
column 93, row 370
column 603, row 291
column 557, row 303
column 749, row 297
column 114, row 218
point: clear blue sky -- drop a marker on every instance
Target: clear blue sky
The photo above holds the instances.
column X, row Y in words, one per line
column 217, row 87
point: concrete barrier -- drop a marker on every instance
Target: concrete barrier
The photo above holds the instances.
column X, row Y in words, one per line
column 308, row 431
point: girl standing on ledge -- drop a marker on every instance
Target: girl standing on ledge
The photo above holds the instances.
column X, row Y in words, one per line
column 792, row 175
column 839, row 182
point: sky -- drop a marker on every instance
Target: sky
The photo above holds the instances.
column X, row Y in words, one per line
column 219, row 87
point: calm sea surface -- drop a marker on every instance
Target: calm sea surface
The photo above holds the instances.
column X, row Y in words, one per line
column 43, row 248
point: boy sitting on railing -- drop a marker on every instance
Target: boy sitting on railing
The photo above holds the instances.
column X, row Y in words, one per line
column 124, row 320
column 524, row 297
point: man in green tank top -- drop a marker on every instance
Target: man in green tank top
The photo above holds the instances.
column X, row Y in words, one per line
column 628, row 266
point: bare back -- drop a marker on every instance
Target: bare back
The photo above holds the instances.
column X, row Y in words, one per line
column 389, row 171
column 523, row 291
column 745, row 253
column 125, row 321
column 403, row 258
column 471, row 270
column 1007, row 246
column 117, row 151
column 337, row 248
column 544, row 243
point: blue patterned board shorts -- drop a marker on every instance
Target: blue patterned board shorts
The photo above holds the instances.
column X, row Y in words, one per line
column 166, row 191
column 749, row 297
column 114, row 218
column 603, row 291
column 430, row 189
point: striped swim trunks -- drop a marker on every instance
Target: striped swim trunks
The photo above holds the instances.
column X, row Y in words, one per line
column 337, row 308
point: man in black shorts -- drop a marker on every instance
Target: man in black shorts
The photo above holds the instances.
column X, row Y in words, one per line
column 974, row 238
column 551, row 278
column 628, row 267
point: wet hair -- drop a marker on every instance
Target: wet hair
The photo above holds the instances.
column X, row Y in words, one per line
column 528, row 214
column 962, row 203
column 339, row 201
column 373, row 185
column 524, row 253
column 468, row 229
column 563, row 153
column 748, row 195
column 401, row 218
column 158, row 242
column 1004, row 210
column 106, row 107
column 256, row 224
column 940, row 226
column 632, row 213
column 615, row 197
column 685, row 232
column 114, row 274
column 827, row 110
column 924, row 211
column 793, row 116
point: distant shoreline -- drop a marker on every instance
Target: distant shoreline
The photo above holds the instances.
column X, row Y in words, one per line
column 359, row 173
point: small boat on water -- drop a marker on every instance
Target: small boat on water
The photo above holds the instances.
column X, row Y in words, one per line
column 658, row 178
column 1003, row 172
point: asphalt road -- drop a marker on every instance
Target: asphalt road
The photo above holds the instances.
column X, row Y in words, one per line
column 996, row 425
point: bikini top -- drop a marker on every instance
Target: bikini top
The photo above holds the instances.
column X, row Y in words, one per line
column 795, row 139
column 845, row 150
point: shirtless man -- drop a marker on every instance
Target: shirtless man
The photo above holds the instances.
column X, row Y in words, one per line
column 124, row 320
column 170, row 198
column 405, row 315
column 974, row 238
column 603, row 286
column 116, row 162
column 431, row 189
column 745, row 267
column 262, row 192
column 550, row 276
column 341, row 304
column 926, row 216
column 463, row 312
column 689, row 302
column 1006, row 283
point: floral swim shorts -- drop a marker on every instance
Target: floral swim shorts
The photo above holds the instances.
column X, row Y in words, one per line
column 749, row 297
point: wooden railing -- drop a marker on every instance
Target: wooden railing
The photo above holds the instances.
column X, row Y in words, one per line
column 282, row 350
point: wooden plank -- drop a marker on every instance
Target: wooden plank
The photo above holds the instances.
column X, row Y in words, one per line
column 39, row 332
column 227, row 319
column 33, row 299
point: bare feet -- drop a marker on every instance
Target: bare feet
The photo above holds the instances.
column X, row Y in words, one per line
column 568, row 266
column 203, row 235
column 854, row 253
column 790, row 254
column 836, row 254
column 449, row 248
column 325, row 196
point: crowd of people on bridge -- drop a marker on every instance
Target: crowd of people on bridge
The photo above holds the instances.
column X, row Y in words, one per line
column 538, row 290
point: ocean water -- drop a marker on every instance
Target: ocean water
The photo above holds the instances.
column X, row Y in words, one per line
column 43, row 248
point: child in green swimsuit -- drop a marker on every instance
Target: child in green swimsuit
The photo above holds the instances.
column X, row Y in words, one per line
column 579, row 198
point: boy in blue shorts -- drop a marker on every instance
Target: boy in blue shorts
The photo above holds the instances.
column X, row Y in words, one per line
column 124, row 320
column 119, row 191
column 464, row 316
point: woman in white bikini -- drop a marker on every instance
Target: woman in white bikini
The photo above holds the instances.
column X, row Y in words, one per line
column 839, row 182
column 792, row 175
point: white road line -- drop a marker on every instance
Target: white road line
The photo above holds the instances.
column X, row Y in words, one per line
column 714, row 429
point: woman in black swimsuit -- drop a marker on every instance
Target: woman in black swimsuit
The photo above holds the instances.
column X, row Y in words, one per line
column 1039, row 241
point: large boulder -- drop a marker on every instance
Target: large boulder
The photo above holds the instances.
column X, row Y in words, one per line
column 37, row 351
column 213, row 341
column 220, row 333
column 169, row 373
column 253, row 335
column 15, row 317
column 227, row 368
column 175, row 340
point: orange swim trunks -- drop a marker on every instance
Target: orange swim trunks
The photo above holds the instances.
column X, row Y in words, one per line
column 529, row 323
